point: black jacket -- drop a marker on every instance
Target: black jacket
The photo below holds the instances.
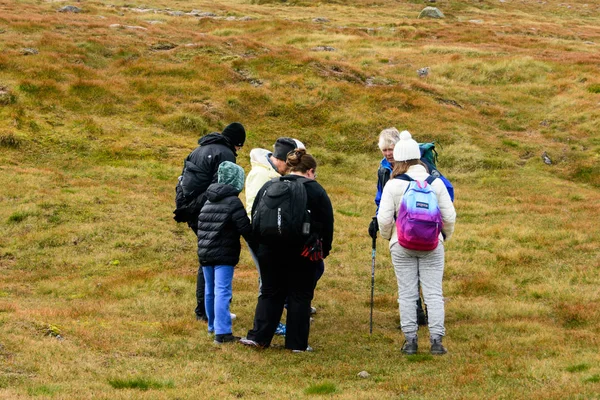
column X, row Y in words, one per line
column 201, row 166
column 321, row 211
column 221, row 222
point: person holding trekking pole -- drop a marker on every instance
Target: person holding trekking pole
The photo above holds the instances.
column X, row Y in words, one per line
column 293, row 223
column 416, row 215
column 387, row 140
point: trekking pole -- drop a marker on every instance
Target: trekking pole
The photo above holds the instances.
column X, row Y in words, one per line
column 372, row 279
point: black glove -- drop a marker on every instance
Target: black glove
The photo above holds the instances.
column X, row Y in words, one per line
column 373, row 228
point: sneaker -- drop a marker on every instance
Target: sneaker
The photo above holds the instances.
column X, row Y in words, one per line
column 437, row 348
column 249, row 342
column 233, row 316
column 226, row 338
column 280, row 331
column 410, row 346
column 302, row 351
column 313, row 310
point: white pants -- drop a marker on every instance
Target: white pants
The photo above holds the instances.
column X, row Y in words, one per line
column 412, row 266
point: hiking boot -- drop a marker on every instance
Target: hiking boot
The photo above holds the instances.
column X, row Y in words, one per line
column 249, row 342
column 202, row 318
column 302, row 351
column 280, row 330
column 437, row 348
column 410, row 346
column 226, row 338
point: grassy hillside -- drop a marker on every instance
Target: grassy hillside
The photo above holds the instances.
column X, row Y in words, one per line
column 98, row 109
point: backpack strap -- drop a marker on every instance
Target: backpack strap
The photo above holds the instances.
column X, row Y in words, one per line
column 404, row 177
column 430, row 179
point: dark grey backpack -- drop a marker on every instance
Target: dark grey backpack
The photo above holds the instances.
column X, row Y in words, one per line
column 281, row 215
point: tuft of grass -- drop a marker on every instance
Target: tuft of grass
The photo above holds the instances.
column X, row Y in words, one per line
column 43, row 390
column 140, row 383
column 419, row 358
column 578, row 368
column 10, row 141
column 186, row 123
column 19, row 216
column 592, row 379
column 321, row 388
column 595, row 88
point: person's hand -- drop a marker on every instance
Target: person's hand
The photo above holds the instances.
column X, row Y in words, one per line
column 373, row 228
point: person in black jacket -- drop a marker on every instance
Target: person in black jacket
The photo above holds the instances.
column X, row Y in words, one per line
column 199, row 171
column 220, row 223
column 285, row 272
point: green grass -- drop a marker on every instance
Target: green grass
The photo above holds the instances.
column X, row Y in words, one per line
column 98, row 281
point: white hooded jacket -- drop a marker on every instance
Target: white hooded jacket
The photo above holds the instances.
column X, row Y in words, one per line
column 262, row 171
column 392, row 196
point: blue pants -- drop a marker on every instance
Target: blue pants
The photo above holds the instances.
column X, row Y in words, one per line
column 217, row 297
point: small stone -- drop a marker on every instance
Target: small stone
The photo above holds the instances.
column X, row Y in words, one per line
column 320, row 20
column 29, row 51
column 70, row 9
column 431, row 12
column 546, row 159
column 476, row 21
column 363, row 374
column 323, row 48
column 423, row 72
column 176, row 13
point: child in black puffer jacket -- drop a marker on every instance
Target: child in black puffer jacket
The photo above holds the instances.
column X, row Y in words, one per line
column 221, row 222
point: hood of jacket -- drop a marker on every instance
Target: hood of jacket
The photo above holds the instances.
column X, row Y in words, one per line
column 218, row 191
column 260, row 158
column 216, row 138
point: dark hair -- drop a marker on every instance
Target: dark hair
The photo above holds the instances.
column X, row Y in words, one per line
column 300, row 161
column 400, row 167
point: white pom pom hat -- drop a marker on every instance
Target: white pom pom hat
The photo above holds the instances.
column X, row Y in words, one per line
column 406, row 148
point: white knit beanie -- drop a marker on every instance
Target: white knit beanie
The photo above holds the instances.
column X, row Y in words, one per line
column 406, row 148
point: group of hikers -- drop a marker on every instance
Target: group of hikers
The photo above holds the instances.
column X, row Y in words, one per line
column 287, row 223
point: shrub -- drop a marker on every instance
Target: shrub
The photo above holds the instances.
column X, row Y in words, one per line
column 139, row 383
column 321, row 388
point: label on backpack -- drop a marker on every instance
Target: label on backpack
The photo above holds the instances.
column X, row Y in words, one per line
column 281, row 214
column 419, row 220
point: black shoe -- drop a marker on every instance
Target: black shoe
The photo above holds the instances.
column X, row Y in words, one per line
column 226, row 338
column 203, row 318
column 410, row 346
column 437, row 348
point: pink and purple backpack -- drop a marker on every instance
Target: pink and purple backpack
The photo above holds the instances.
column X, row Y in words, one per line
column 419, row 220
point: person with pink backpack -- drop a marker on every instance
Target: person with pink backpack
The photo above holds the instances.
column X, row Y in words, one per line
column 417, row 215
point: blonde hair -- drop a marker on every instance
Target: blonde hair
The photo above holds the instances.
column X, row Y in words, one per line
column 388, row 138
column 400, row 167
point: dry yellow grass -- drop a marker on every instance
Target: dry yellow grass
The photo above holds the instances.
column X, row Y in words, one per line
column 97, row 281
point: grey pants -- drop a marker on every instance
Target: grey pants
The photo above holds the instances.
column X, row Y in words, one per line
column 412, row 266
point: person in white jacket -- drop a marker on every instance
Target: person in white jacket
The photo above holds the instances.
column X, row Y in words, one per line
column 267, row 165
column 412, row 266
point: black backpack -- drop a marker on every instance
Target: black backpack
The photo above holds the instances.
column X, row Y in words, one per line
column 186, row 207
column 281, row 215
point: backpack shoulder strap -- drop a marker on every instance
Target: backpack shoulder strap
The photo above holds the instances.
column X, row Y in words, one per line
column 430, row 179
column 404, row 177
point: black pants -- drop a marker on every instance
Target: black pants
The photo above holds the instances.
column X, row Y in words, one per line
column 284, row 273
column 200, row 308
